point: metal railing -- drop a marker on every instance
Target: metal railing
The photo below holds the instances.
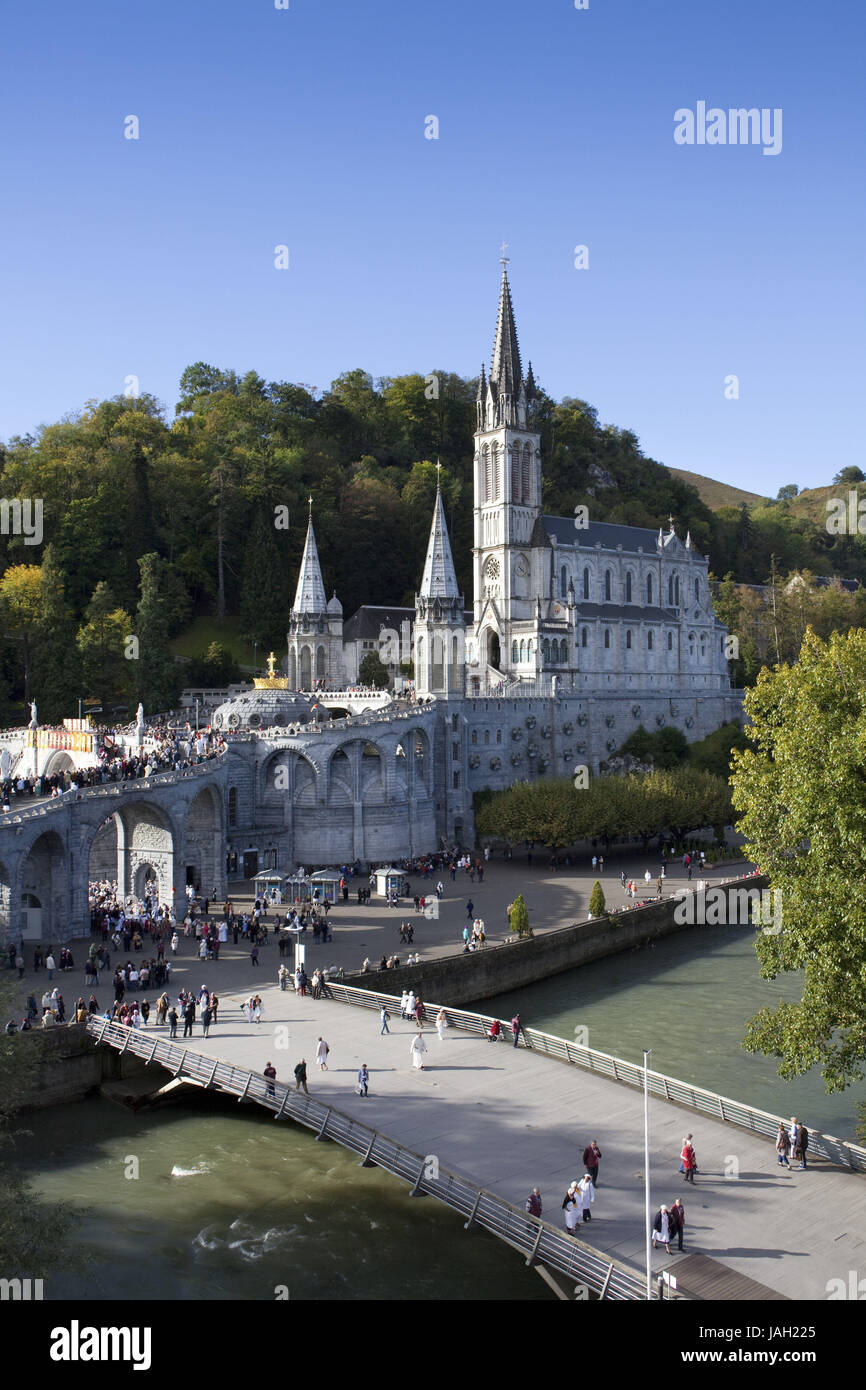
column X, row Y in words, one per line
column 734, row 1112
column 534, row 1238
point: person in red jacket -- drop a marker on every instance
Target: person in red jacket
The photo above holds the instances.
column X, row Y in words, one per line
column 494, row 1030
column 689, row 1161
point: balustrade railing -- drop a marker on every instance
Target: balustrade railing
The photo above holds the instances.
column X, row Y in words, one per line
column 534, row 1238
column 669, row 1088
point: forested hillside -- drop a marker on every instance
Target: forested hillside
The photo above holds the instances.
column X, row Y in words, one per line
column 218, row 495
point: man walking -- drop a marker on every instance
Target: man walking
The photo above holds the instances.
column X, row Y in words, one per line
column 254, row 955
column 517, row 1029
column 363, row 1079
column 384, row 1016
column 271, row 1073
column 677, row 1215
column 533, row 1203
column 188, row 1019
column 301, row 1076
column 591, row 1156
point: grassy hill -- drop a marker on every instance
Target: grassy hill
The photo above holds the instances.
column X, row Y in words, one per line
column 715, row 495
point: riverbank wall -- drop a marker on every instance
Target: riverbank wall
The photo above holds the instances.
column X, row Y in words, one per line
column 465, row 979
column 63, row 1065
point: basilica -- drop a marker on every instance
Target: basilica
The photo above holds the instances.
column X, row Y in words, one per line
column 578, row 631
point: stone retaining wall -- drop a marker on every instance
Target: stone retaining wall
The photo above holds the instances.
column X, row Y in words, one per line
column 493, row 970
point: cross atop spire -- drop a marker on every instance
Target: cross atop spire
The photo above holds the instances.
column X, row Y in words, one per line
column 503, row 259
column 310, row 593
column 439, row 579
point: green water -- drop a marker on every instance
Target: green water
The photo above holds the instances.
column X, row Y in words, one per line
column 229, row 1205
column 688, row 998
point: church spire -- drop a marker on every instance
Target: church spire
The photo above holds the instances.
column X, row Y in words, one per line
column 310, row 593
column 439, row 579
column 505, row 370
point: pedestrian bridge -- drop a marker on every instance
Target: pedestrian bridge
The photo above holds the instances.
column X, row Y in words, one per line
column 484, row 1123
column 354, row 700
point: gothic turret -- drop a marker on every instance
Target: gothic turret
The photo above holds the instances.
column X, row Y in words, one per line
column 315, row 637
column 440, row 634
column 310, row 593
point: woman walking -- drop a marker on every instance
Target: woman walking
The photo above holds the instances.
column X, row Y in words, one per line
column 322, row 1051
column 417, row 1049
column 783, row 1146
column 441, row 1024
column 662, row 1229
column 689, row 1161
column 586, row 1196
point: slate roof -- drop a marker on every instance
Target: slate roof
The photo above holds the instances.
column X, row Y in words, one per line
column 607, row 534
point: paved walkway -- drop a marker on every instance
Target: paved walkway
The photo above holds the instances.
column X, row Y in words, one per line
column 511, row 1120
column 555, row 899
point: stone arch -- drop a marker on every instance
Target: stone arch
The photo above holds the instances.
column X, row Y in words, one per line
column 135, row 833
column 493, row 652
column 205, row 839
column 58, row 761
column 341, row 778
column 44, row 887
column 145, row 873
column 372, row 773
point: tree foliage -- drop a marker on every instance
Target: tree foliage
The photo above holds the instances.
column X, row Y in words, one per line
column 518, row 917
column 801, row 792
column 557, row 814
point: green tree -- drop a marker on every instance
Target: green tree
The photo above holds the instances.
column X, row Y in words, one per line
column 21, row 598
column 852, row 474
column 802, row 794
column 373, row 672
column 596, row 900
column 156, row 679
column 518, row 917
column 264, row 600
column 102, row 642
column 57, row 673
column 216, row 667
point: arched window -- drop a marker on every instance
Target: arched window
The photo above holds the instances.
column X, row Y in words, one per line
column 649, row 641
column 607, row 586
column 514, row 656
column 670, row 641
column 486, row 735
column 584, row 636
column 677, row 591
column 628, row 640
column 485, row 468
column 527, row 466
column 233, row 805
column 530, row 649
column 545, row 651
column 649, row 588
column 522, row 650
column 498, row 735
column 474, row 735
column 495, row 485
column 703, row 647
column 607, row 637
column 670, row 591
column 563, row 581
column 320, row 663
column 515, row 473
column 586, row 582
column 697, row 591
column 563, row 650
column 628, row 587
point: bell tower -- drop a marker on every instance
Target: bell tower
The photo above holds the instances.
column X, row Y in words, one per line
column 507, row 497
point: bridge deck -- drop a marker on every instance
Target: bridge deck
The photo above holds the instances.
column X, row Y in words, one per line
column 510, row 1120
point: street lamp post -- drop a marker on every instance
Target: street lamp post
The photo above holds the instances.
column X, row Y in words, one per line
column 646, row 1169
column 255, row 659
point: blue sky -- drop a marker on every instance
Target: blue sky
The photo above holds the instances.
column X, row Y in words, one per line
column 305, row 127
